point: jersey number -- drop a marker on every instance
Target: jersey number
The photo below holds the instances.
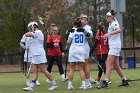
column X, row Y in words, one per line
column 78, row 38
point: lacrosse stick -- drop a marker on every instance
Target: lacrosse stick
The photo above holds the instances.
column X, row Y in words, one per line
column 27, row 74
column 66, row 60
column 40, row 20
column 130, row 80
column 97, row 62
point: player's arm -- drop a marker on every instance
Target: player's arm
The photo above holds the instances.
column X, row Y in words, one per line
column 116, row 30
column 29, row 34
column 22, row 42
column 49, row 43
column 61, row 46
column 22, row 45
column 88, row 34
column 68, row 32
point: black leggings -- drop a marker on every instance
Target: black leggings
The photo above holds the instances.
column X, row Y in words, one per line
column 102, row 59
column 58, row 60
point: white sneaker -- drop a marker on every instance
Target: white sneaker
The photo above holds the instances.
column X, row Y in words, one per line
column 70, row 87
column 37, row 83
column 48, row 81
column 92, row 81
column 28, row 89
column 32, row 85
column 27, row 82
column 89, row 86
column 83, row 87
column 64, row 79
column 53, row 87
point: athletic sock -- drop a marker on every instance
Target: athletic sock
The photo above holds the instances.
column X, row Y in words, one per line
column 33, row 81
column 83, row 83
column 53, row 83
column 87, row 81
column 106, row 79
column 98, row 78
column 124, row 78
column 69, row 82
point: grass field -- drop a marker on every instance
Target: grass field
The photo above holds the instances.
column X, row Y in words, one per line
column 14, row 82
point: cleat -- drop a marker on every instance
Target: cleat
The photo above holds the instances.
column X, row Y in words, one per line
column 83, row 87
column 124, row 83
column 53, row 87
column 103, row 86
column 109, row 82
column 37, row 83
column 28, row 89
column 92, row 81
column 70, row 87
column 32, row 85
column 65, row 79
column 27, row 82
column 48, row 81
column 97, row 82
column 88, row 85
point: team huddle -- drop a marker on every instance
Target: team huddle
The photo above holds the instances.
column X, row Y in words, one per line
column 79, row 49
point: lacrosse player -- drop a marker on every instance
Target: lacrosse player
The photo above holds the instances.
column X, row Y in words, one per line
column 88, row 43
column 77, row 53
column 55, row 50
column 101, row 45
column 38, row 56
column 114, row 40
column 25, row 43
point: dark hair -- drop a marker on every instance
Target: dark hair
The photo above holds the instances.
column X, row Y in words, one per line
column 112, row 12
column 36, row 25
column 100, row 26
column 77, row 22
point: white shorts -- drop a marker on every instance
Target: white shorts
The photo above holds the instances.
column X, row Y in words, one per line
column 29, row 59
column 76, row 54
column 39, row 59
column 114, row 51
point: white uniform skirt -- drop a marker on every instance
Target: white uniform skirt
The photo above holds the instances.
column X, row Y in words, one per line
column 76, row 54
column 39, row 59
column 28, row 60
column 114, row 51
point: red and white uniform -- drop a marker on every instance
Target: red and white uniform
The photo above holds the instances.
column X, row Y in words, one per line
column 102, row 46
column 54, row 39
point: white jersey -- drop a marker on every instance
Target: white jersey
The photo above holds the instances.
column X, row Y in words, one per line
column 114, row 40
column 37, row 48
column 77, row 47
column 28, row 42
column 88, row 29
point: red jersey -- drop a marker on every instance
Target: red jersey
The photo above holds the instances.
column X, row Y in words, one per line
column 54, row 39
column 102, row 46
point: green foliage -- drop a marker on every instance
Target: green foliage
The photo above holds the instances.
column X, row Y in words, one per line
column 132, row 6
column 13, row 21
